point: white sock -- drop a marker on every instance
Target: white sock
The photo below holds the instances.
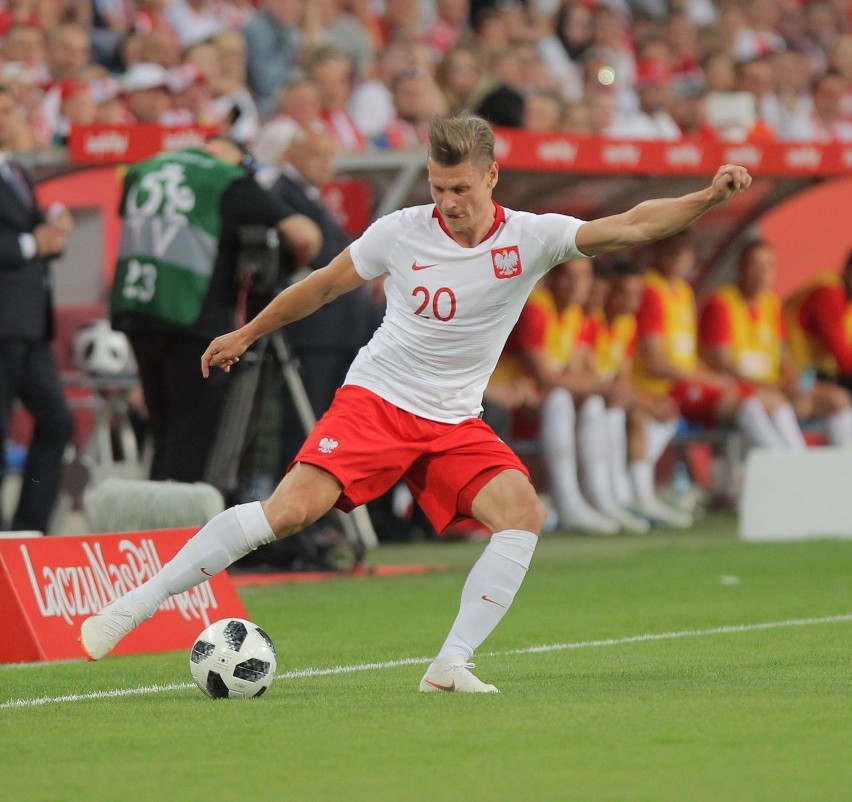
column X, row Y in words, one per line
column 839, row 427
column 592, row 437
column 221, row 541
column 558, row 446
column 754, row 423
column 642, row 479
column 488, row 592
column 788, row 428
column 660, row 434
column 616, row 420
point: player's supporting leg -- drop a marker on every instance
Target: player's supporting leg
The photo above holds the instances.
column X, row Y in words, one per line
column 509, row 507
column 558, row 445
column 303, row 496
column 593, row 442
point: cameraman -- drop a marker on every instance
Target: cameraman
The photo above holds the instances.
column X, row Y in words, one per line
column 178, row 283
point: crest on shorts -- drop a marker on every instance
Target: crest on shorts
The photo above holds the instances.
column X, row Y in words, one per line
column 506, row 261
column 327, row 445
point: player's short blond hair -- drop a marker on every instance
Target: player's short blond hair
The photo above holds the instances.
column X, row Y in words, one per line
column 466, row 137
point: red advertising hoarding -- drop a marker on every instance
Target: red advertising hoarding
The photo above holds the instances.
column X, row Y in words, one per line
column 49, row 585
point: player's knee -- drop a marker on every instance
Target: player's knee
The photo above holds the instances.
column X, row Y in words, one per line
column 527, row 513
column 289, row 515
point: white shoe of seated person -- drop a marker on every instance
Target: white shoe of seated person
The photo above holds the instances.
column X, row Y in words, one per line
column 587, row 519
column 628, row 521
column 446, row 675
column 656, row 510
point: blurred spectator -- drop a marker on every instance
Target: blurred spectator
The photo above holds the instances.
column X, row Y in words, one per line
column 543, row 112
column 652, row 120
column 683, row 38
column 416, row 101
column 77, row 106
column 829, row 122
column 818, row 323
column 298, row 107
column 719, row 71
column 742, row 334
column 758, row 37
column 193, row 20
column 29, row 239
column 756, row 79
column 400, row 21
column 110, row 103
column 145, row 88
column 159, row 46
column 273, row 40
column 450, row 27
column 233, row 103
column 459, row 75
column 27, row 130
column 331, row 70
column 788, row 109
column 329, row 22
column 667, row 364
column 191, row 97
column 371, row 104
column 577, row 118
column 688, row 109
column 27, row 44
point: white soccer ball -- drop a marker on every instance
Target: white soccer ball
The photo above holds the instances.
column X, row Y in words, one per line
column 100, row 351
column 233, row 659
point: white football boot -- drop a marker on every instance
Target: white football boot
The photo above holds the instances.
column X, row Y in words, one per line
column 584, row 517
column 628, row 521
column 453, row 675
column 100, row 632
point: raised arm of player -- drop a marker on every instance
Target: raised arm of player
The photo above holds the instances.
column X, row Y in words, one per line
column 294, row 303
column 657, row 219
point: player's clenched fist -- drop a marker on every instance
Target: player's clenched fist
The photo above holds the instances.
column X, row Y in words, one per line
column 730, row 179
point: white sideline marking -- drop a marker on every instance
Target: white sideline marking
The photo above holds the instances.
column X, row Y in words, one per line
column 302, row 673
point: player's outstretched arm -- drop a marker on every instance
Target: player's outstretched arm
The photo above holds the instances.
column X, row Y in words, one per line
column 657, row 219
column 294, row 303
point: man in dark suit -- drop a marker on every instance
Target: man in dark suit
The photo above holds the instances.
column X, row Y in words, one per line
column 326, row 341
column 28, row 240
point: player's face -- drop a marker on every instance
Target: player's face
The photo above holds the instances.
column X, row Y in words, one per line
column 462, row 194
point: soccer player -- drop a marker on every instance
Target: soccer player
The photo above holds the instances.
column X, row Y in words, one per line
column 666, row 359
column 742, row 334
column 819, row 325
column 458, row 272
column 640, row 430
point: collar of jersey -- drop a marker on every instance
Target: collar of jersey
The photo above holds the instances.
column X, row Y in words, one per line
column 499, row 219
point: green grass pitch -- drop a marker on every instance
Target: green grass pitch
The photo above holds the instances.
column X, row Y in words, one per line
column 674, row 666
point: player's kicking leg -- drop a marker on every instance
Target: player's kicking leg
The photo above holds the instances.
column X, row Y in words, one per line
column 305, row 494
column 508, row 506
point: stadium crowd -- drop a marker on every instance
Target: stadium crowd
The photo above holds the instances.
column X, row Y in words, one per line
column 375, row 71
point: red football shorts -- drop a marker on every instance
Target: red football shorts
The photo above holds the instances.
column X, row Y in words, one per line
column 699, row 402
column 368, row 445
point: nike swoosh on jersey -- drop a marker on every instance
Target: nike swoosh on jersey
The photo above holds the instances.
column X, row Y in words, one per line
column 415, row 266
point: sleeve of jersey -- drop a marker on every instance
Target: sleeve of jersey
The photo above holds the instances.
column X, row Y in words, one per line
column 559, row 234
column 650, row 318
column 715, row 327
column 824, row 313
column 370, row 251
column 529, row 331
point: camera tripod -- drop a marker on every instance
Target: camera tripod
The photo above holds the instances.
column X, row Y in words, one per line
column 227, row 456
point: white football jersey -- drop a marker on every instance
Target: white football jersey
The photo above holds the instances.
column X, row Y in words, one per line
column 449, row 309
